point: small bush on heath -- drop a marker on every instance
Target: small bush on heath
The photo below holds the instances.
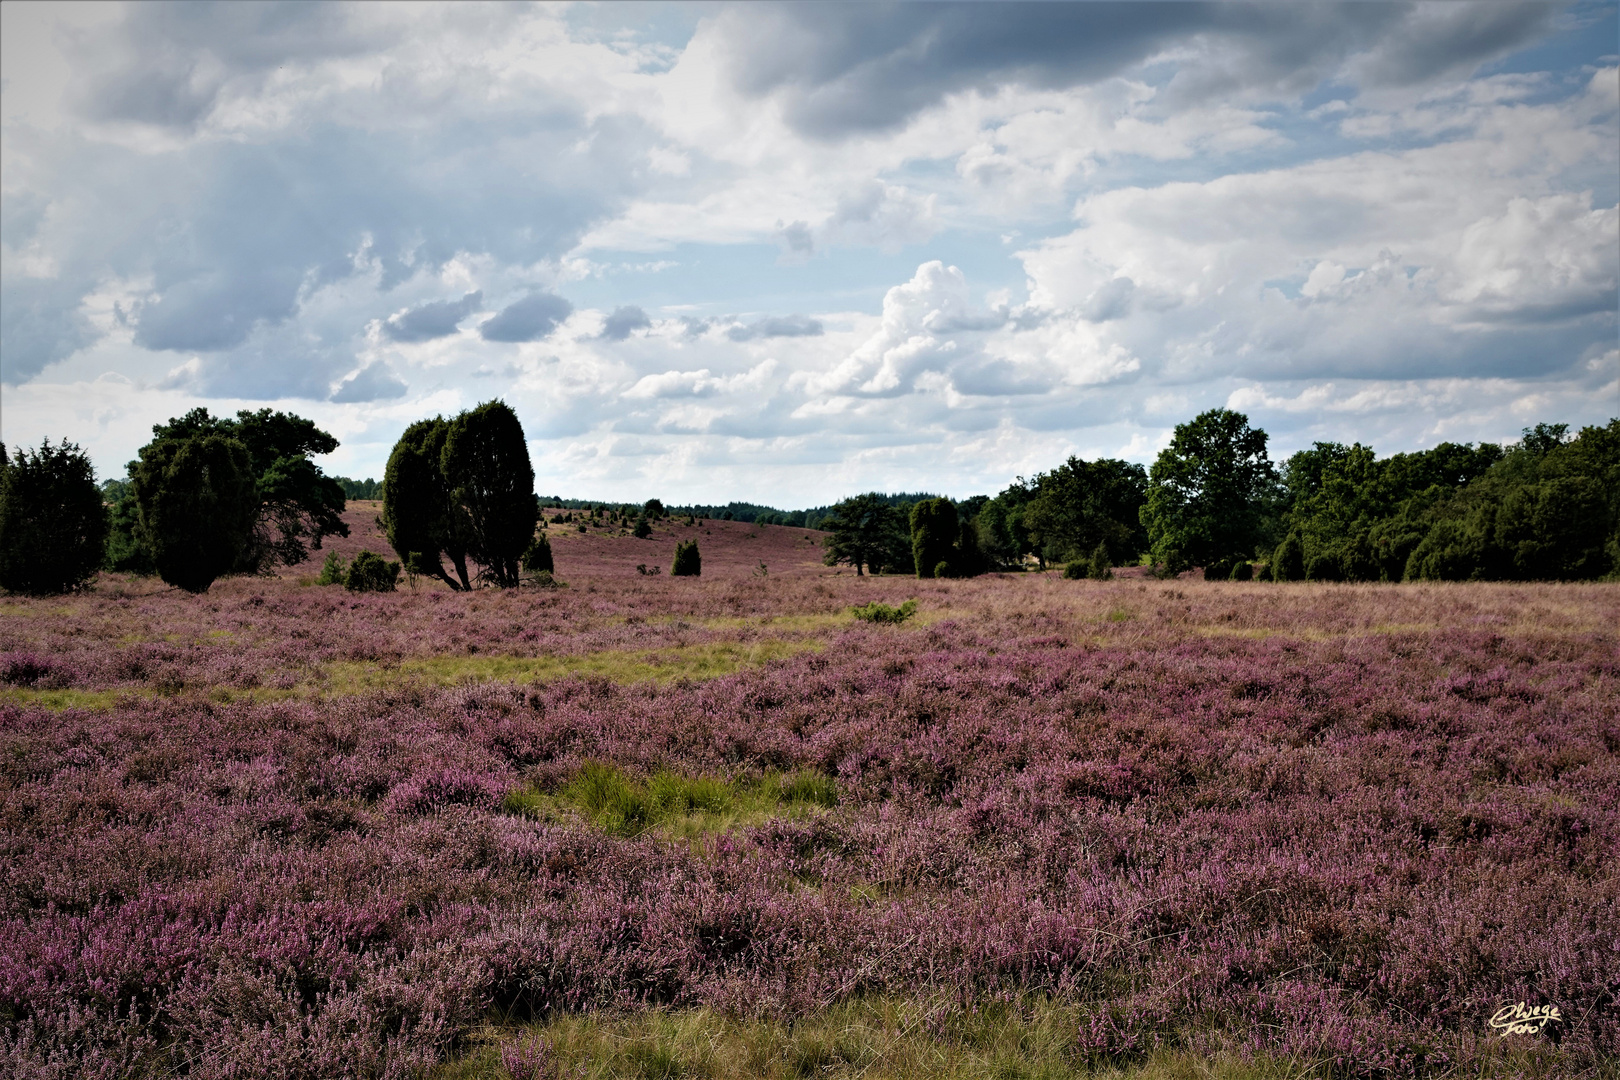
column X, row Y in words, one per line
column 334, row 571
column 688, row 563
column 371, row 573
column 877, row 612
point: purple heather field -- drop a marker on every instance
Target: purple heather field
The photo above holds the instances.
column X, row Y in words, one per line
column 269, row 831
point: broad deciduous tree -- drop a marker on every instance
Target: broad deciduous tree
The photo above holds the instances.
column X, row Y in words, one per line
column 1209, row 493
column 867, row 533
column 1081, row 504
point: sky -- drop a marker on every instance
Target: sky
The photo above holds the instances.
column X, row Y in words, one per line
column 788, row 253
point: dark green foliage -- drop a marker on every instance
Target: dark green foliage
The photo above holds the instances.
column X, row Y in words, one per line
column 359, row 489
column 1263, row 573
column 1242, row 570
column 298, row 504
column 653, row 509
column 1003, row 533
column 127, row 550
column 876, row 612
column 369, row 572
column 538, row 558
column 1544, row 510
column 1082, row 504
column 1100, row 566
column 1210, row 493
column 1540, row 514
column 1323, row 567
column 643, row 528
column 1217, row 571
column 486, row 464
column 1365, row 516
column 335, row 571
column 53, row 524
column 1076, row 570
column 970, row 559
column 1288, row 562
column 198, row 505
column 934, row 529
column 688, row 563
column 867, row 532
column 418, row 515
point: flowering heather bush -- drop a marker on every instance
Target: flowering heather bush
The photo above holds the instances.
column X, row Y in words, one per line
column 1341, row 825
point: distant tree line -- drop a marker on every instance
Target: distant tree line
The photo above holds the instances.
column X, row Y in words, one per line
column 1545, row 508
column 211, row 496
column 359, row 489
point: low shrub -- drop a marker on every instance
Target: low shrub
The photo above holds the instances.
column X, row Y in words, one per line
column 334, row 571
column 1288, row 564
column 877, row 612
column 1242, row 570
column 688, row 563
column 371, row 573
column 538, row 557
column 1076, row 570
column 1101, row 567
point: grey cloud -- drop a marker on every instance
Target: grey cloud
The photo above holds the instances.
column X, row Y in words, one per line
column 1112, row 301
column 796, row 238
column 168, row 63
column 777, row 326
column 40, row 323
column 529, row 319
column 20, row 216
column 852, row 68
column 432, row 320
column 1437, row 38
column 374, row 382
column 624, row 321
column 990, row 320
column 236, row 236
column 997, row 378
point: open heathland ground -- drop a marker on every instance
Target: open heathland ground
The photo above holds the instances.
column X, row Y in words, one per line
column 644, row 826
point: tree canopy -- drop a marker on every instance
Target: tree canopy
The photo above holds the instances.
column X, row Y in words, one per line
column 486, row 463
column 1081, row 504
column 1210, row 493
column 53, row 524
column 298, row 504
column 458, row 489
column 198, row 504
column 422, row 522
column 866, row 532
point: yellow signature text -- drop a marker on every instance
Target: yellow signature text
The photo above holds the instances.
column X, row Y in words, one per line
column 1522, row 1019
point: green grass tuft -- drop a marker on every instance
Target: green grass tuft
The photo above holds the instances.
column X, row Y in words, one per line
column 678, row 806
column 1031, row 1038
